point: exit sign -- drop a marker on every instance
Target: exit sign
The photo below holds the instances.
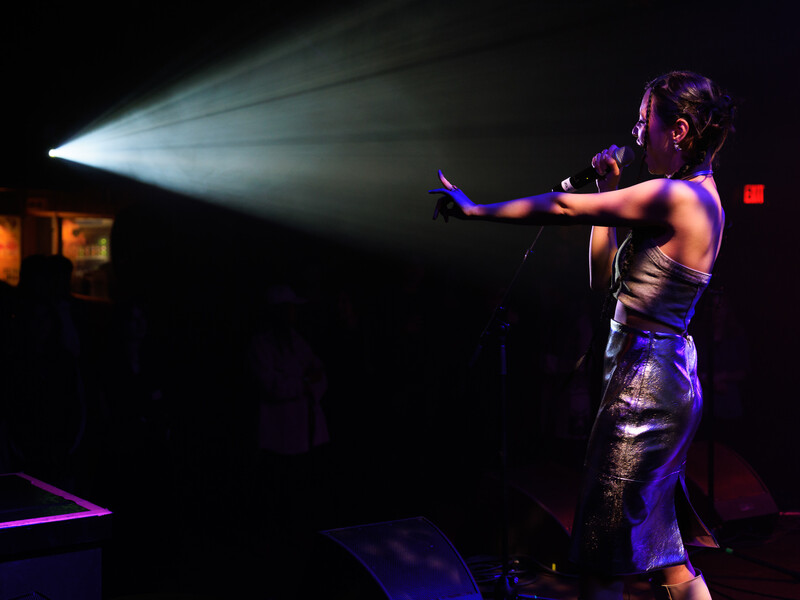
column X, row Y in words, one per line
column 754, row 194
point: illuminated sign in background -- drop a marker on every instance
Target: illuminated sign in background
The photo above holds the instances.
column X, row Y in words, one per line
column 754, row 194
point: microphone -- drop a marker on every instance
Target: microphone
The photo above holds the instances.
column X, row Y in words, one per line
column 624, row 156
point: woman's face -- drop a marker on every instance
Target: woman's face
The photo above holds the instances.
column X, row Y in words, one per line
column 660, row 152
column 641, row 124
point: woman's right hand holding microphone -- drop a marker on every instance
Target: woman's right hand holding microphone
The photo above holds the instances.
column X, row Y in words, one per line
column 607, row 167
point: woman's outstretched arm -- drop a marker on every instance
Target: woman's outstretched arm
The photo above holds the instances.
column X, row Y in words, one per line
column 647, row 203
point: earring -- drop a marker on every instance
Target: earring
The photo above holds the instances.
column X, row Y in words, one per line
column 677, row 147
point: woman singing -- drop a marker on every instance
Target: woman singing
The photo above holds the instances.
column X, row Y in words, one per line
column 633, row 514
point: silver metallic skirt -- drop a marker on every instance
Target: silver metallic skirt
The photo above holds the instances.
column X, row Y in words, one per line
column 634, row 514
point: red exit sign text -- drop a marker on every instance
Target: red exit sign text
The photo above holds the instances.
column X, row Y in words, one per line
column 754, row 194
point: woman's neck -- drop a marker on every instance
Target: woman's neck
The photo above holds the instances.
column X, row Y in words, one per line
column 685, row 172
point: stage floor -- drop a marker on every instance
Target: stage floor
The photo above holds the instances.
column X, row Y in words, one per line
column 729, row 576
column 746, row 574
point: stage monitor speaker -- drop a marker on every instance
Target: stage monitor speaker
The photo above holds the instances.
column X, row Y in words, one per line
column 408, row 559
column 541, row 503
column 64, row 576
column 50, row 542
column 739, row 493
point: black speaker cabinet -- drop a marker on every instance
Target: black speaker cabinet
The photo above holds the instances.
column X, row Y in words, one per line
column 739, row 494
column 541, row 503
column 409, row 559
column 49, row 542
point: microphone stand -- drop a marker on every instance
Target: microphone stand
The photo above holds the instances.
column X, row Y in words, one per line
column 497, row 327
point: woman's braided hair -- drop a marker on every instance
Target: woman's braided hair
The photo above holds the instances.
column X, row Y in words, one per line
column 705, row 107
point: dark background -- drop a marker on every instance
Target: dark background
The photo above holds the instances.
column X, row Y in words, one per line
column 413, row 426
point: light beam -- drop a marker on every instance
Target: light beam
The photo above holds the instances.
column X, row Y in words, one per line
column 339, row 129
